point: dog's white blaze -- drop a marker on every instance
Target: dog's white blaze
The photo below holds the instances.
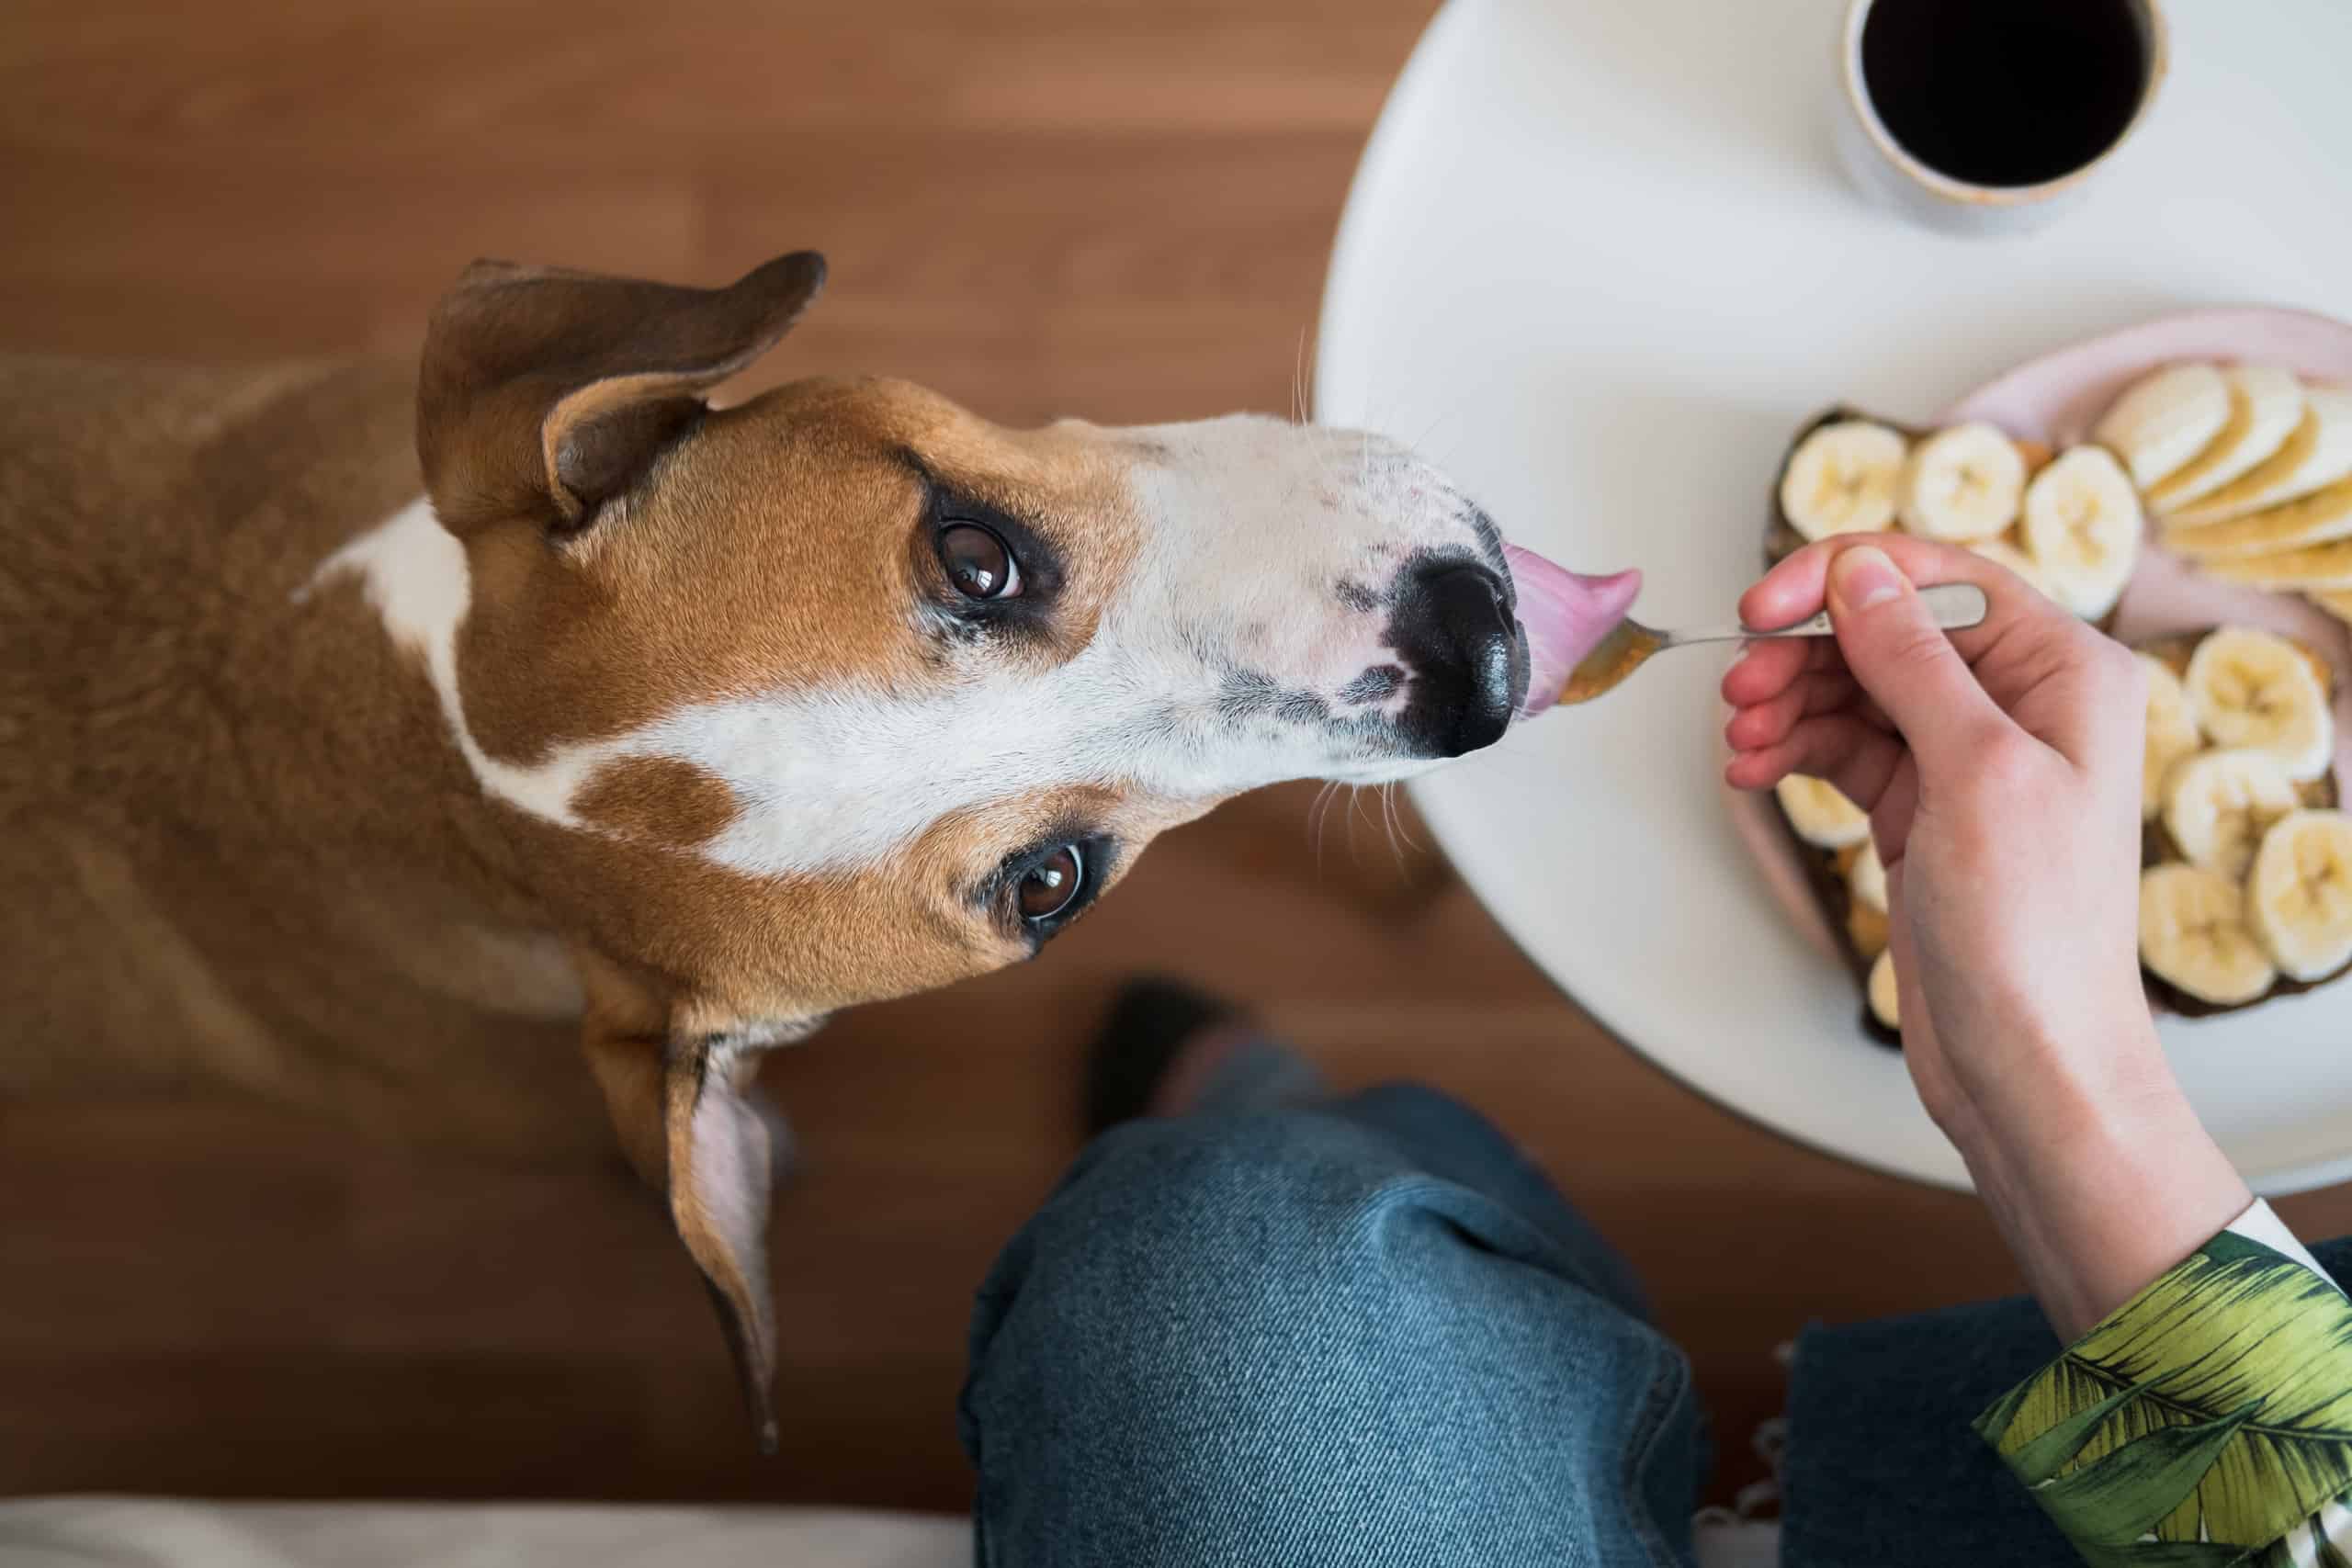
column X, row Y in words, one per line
column 1247, row 525
column 414, row 571
column 823, row 779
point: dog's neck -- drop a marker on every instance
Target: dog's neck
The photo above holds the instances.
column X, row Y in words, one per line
column 411, row 579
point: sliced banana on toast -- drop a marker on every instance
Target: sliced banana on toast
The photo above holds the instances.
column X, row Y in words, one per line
column 2218, row 804
column 2164, row 420
column 1820, row 813
column 2254, row 691
column 2003, row 552
column 2082, row 526
column 1845, row 478
column 1963, row 484
column 2326, row 568
column 2319, row 518
column 2193, row 934
column 2173, row 735
column 2337, row 603
column 2316, row 454
column 2266, row 404
column 2299, row 899
column 1866, row 877
column 1882, row 990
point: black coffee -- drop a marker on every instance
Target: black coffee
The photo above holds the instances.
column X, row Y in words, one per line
column 2004, row 91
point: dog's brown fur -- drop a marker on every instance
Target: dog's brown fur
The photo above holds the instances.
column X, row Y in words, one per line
column 239, row 842
column 306, row 786
column 210, row 872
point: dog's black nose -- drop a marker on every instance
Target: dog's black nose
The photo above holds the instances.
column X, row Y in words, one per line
column 1455, row 626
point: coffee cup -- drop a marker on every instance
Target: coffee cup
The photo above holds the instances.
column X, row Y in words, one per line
column 1991, row 115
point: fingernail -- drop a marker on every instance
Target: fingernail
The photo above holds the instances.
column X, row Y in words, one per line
column 1864, row 576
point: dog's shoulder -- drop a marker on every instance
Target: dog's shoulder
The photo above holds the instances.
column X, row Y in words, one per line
column 155, row 520
column 100, row 459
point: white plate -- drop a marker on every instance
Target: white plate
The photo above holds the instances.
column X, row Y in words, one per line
column 1598, row 262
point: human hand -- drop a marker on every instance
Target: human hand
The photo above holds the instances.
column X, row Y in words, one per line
column 2001, row 766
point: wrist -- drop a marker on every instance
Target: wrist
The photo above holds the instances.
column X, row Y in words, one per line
column 2058, row 1084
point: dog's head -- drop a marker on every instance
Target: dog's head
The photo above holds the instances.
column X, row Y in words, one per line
column 845, row 692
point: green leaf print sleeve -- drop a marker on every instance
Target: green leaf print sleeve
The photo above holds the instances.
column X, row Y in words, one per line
column 2208, row 1421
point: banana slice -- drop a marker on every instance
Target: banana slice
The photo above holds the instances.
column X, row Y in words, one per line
column 1882, row 990
column 2016, row 561
column 1822, row 817
column 2172, row 734
column 2320, row 567
column 2315, row 456
column 2338, row 605
column 2083, row 527
column 2318, row 518
column 1843, row 479
column 1866, row 877
column 1963, row 484
column 2218, row 805
column 2257, row 692
column 2163, row 421
column 2266, row 404
column 2300, row 897
column 2193, row 933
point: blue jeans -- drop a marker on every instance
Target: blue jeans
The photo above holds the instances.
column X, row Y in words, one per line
column 1364, row 1333
column 1368, row 1333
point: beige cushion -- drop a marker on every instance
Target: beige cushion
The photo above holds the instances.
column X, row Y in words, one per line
column 84, row 1532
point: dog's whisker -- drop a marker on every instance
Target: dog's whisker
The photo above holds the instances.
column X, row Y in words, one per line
column 1302, row 398
column 1298, row 380
column 1402, row 828
column 1318, row 813
column 1355, row 802
column 1459, row 406
column 1388, row 821
column 1327, row 818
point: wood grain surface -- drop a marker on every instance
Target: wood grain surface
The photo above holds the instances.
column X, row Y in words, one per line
column 1105, row 208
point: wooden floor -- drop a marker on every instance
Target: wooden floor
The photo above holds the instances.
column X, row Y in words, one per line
column 1109, row 207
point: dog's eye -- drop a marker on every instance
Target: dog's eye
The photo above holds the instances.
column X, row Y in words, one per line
column 1052, row 884
column 977, row 562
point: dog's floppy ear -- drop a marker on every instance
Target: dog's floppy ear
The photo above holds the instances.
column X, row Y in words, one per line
column 543, row 391
column 692, row 1124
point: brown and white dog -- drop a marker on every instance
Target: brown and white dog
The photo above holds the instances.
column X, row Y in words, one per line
column 692, row 725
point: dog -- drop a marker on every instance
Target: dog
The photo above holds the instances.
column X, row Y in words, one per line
column 347, row 723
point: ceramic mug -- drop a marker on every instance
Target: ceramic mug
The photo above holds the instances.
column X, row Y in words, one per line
column 1884, row 168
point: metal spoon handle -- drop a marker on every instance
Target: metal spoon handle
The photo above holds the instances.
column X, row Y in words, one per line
column 1954, row 605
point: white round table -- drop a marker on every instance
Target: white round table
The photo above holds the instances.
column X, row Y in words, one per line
column 1598, row 262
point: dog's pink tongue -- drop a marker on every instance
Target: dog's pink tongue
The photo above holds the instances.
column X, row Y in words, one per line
column 1565, row 615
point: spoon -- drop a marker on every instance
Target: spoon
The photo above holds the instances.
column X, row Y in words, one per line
column 1954, row 605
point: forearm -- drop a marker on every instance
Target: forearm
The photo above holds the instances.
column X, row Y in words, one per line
column 2098, row 1190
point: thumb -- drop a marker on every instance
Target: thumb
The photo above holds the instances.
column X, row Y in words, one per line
column 1904, row 661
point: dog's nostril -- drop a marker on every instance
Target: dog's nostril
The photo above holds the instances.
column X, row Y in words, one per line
column 1467, row 654
column 1466, row 594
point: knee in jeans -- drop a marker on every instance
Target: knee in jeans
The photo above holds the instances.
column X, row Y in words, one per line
column 1229, row 1217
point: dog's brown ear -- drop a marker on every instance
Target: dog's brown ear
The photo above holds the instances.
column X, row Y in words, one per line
column 692, row 1124
column 543, row 392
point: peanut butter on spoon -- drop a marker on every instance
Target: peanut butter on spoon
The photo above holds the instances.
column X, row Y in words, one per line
column 1620, row 653
column 1629, row 645
column 1564, row 616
